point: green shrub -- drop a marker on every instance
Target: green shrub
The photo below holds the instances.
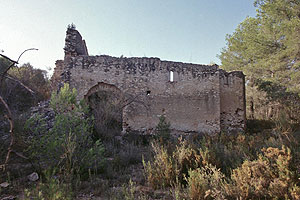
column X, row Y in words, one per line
column 34, row 78
column 185, row 158
column 68, row 144
column 259, row 125
column 168, row 169
column 52, row 188
column 16, row 96
column 229, row 151
column 65, row 100
column 256, row 164
column 295, row 192
column 129, row 190
column 226, row 151
column 163, row 130
column 252, row 179
column 267, row 177
column 160, row 172
column 206, row 182
column 106, row 108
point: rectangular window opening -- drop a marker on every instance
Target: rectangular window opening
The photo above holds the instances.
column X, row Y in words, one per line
column 171, row 76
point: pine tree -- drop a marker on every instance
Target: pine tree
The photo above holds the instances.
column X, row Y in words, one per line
column 267, row 46
column 267, row 49
column 163, row 129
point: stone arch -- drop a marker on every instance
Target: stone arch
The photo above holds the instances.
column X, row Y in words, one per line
column 106, row 105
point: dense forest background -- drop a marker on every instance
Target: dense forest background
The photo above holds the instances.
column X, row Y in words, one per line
column 55, row 152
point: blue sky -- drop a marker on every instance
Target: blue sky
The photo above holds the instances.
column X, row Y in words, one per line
column 177, row 30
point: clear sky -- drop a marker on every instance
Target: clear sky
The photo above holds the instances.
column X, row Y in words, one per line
column 177, row 30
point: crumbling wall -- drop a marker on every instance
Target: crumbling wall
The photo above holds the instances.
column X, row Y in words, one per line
column 56, row 77
column 191, row 102
column 74, row 44
column 201, row 98
column 232, row 95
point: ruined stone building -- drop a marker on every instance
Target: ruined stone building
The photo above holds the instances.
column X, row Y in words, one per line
column 193, row 98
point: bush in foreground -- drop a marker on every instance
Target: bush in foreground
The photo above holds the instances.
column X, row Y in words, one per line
column 206, row 182
column 68, row 145
column 167, row 168
column 270, row 174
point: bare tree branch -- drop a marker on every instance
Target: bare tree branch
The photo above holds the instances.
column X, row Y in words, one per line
column 11, row 131
column 25, row 51
column 4, row 56
column 9, row 114
column 19, row 154
column 6, row 70
column 16, row 80
column 13, row 63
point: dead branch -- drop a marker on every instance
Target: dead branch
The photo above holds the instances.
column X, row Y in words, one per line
column 9, row 115
column 13, row 63
column 6, row 70
column 25, row 51
column 19, row 154
column 16, row 80
column 11, row 131
column 4, row 56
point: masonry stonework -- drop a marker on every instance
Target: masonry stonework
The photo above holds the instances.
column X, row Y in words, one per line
column 199, row 99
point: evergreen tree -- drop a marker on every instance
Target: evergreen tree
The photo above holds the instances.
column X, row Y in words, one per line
column 267, row 46
column 163, row 129
column 267, row 49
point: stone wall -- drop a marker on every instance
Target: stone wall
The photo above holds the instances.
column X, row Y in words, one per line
column 201, row 98
column 232, row 95
column 56, row 77
column 74, row 44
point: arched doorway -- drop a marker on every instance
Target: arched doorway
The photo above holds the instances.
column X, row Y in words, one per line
column 106, row 105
